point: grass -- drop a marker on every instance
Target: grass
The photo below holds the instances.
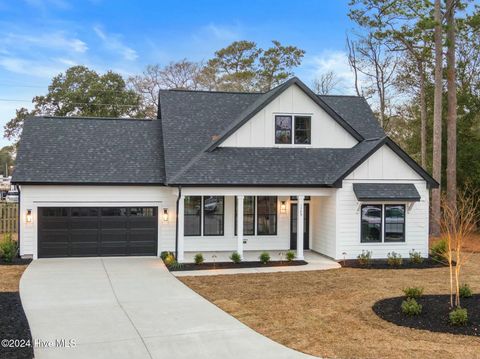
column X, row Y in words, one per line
column 329, row 313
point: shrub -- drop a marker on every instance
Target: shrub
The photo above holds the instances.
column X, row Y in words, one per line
column 235, row 257
column 413, row 292
column 169, row 259
column 465, row 291
column 290, row 256
column 164, row 254
column 415, row 257
column 198, row 258
column 458, row 316
column 365, row 258
column 410, row 307
column 265, row 257
column 8, row 248
column 394, row 259
column 175, row 265
column 438, row 251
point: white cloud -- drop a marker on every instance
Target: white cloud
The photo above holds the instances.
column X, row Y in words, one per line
column 222, row 32
column 32, row 67
column 113, row 43
column 54, row 41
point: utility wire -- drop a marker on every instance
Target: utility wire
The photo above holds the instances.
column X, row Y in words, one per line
column 76, row 103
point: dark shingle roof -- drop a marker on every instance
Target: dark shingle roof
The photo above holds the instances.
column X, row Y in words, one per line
column 386, row 192
column 74, row 150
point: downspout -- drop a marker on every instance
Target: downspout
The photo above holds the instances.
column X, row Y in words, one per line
column 19, row 220
column 176, row 221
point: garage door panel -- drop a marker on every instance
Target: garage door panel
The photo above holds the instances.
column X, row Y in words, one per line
column 97, row 231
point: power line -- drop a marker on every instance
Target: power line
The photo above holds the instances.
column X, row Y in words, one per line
column 76, row 103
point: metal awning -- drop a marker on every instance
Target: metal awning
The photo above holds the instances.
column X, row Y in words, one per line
column 386, row 192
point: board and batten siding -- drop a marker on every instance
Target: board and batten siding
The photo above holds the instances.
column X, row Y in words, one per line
column 34, row 196
column 383, row 166
column 259, row 131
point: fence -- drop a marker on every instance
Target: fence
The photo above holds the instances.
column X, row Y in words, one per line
column 8, row 217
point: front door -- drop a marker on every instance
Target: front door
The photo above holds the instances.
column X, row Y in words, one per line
column 293, row 226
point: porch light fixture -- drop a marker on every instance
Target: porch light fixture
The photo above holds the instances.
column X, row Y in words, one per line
column 165, row 214
column 283, row 207
column 28, row 217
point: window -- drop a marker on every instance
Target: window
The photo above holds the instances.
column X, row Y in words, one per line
column 55, row 212
column 371, row 223
column 248, row 215
column 193, row 212
column 302, row 130
column 142, row 212
column 84, row 212
column 394, row 223
column 266, row 215
column 213, row 210
column 283, row 130
column 114, row 212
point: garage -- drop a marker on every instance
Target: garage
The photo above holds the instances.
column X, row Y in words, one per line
column 97, row 231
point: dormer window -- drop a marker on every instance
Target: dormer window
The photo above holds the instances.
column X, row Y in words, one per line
column 292, row 130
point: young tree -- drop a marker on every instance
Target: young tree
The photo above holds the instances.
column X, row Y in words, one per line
column 81, row 92
column 325, row 83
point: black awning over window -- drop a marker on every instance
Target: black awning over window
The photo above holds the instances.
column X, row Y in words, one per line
column 386, row 192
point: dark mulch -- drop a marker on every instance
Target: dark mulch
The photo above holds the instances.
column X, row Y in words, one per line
column 229, row 265
column 383, row 264
column 16, row 261
column 434, row 316
column 14, row 325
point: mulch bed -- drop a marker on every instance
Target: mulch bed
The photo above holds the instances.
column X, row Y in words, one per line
column 383, row 264
column 16, row 261
column 14, row 325
column 230, row 265
column 434, row 316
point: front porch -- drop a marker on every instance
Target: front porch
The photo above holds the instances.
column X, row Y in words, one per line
column 275, row 220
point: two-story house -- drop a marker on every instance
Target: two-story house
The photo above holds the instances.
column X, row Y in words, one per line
column 222, row 171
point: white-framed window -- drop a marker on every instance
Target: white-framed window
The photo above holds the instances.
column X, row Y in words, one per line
column 382, row 223
column 293, row 129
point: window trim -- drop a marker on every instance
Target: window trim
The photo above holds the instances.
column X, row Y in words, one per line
column 199, row 222
column 385, row 222
column 383, row 229
column 292, row 142
column 235, row 233
column 276, row 217
column 203, row 218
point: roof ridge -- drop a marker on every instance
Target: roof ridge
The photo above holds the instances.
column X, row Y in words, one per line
column 91, row 118
column 331, row 95
column 214, row 91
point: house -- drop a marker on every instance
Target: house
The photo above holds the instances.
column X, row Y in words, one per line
column 307, row 172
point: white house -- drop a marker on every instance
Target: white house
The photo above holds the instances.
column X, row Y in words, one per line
column 307, row 172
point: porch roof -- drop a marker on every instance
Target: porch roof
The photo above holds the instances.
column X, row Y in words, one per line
column 386, row 192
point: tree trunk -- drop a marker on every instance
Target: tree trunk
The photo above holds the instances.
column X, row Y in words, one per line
column 423, row 117
column 452, row 107
column 437, row 122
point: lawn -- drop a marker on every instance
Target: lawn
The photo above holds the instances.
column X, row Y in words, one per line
column 329, row 313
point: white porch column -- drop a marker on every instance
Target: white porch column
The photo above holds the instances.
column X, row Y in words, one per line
column 300, row 211
column 240, row 225
column 180, row 222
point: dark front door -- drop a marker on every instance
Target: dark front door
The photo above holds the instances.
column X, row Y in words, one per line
column 293, row 226
column 97, row 231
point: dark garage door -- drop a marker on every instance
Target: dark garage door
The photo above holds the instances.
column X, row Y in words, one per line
column 97, row 231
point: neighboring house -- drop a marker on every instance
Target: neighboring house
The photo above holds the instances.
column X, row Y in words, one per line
column 307, row 172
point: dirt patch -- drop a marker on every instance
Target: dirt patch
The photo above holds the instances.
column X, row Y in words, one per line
column 329, row 313
column 230, row 265
column 434, row 316
column 471, row 244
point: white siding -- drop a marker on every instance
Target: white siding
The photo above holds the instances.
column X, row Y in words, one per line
column 323, row 221
column 32, row 197
column 259, row 131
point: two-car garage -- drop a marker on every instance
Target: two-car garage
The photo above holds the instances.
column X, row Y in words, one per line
column 97, row 231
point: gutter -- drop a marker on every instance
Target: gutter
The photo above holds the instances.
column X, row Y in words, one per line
column 18, row 220
column 176, row 221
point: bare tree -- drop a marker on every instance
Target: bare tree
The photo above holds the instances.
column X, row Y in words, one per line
column 437, row 120
column 352, row 61
column 325, row 83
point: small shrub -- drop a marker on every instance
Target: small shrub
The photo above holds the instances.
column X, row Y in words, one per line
column 458, row 316
column 8, row 248
column 465, row 291
column 394, row 259
column 410, row 307
column 290, row 256
column 169, row 259
column 175, row 265
column 365, row 258
column 235, row 257
column 415, row 257
column 413, row 292
column 438, row 251
column 265, row 257
column 198, row 258
column 164, row 254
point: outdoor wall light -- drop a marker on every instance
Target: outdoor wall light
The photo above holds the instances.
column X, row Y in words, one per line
column 28, row 217
column 283, row 207
column 165, row 214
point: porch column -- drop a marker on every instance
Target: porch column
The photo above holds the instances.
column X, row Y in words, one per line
column 180, row 230
column 240, row 225
column 300, row 211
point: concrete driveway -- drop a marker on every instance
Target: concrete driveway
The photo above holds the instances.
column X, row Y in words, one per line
column 130, row 308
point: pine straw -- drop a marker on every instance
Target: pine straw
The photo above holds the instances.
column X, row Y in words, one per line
column 10, row 277
column 328, row 313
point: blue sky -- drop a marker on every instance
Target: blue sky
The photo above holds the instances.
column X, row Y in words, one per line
column 41, row 38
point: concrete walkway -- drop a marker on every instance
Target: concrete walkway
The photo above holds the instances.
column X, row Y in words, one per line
column 315, row 261
column 130, row 308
